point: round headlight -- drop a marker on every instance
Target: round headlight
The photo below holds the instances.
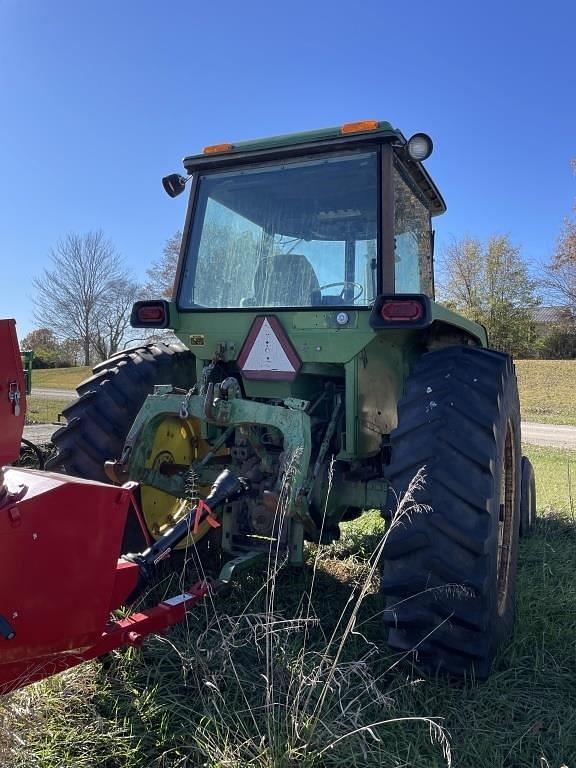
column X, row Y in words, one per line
column 419, row 146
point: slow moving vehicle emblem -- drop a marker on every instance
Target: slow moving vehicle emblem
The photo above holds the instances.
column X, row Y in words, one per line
column 267, row 353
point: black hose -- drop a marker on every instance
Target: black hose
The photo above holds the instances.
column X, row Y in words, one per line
column 39, row 455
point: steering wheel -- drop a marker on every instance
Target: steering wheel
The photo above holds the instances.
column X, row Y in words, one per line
column 345, row 284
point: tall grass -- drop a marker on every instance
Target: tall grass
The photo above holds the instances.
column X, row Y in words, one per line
column 263, row 686
column 277, row 692
column 211, row 694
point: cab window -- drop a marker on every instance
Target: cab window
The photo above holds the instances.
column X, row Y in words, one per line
column 413, row 241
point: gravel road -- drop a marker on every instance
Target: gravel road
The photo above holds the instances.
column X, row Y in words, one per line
column 54, row 394
column 552, row 435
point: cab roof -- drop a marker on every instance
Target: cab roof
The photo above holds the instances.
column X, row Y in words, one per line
column 350, row 135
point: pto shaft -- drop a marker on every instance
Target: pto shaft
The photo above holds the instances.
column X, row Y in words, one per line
column 226, row 487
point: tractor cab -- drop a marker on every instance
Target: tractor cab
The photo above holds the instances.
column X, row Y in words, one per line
column 327, row 219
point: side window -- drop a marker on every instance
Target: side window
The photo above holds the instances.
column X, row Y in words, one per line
column 413, row 246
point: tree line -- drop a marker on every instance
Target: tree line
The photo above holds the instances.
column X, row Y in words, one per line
column 84, row 297
column 490, row 283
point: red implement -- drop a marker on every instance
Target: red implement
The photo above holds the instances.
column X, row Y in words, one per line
column 12, row 393
column 60, row 576
column 60, row 540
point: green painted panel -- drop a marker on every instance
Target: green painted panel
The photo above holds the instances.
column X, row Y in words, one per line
column 304, row 137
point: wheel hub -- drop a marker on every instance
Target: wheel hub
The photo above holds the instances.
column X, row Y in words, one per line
column 176, row 441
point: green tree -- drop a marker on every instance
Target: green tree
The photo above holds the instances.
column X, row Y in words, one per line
column 489, row 283
column 48, row 351
column 44, row 344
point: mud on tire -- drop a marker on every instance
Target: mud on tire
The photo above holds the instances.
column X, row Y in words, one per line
column 449, row 574
column 99, row 421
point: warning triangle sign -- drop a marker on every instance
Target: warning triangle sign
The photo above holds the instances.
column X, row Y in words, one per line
column 267, row 352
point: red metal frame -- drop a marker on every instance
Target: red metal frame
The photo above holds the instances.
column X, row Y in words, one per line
column 130, row 631
column 61, row 576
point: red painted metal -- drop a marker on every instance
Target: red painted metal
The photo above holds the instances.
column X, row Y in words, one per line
column 60, row 576
column 58, row 560
column 11, row 383
column 60, row 540
column 130, row 631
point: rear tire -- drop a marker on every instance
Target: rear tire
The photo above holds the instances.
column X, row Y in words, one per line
column 449, row 573
column 109, row 401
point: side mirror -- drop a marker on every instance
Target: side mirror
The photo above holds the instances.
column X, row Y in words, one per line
column 174, row 184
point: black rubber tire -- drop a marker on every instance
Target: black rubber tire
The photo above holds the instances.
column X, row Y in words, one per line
column 459, row 406
column 99, row 421
column 527, row 498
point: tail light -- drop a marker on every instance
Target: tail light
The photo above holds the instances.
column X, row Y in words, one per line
column 150, row 314
column 401, row 311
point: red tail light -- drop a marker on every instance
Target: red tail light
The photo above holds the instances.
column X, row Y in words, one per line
column 149, row 314
column 399, row 310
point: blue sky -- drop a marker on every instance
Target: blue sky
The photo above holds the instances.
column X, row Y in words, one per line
column 98, row 100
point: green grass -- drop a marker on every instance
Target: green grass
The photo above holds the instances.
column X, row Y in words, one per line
column 547, row 390
column 60, row 378
column 43, row 410
column 546, row 387
column 190, row 699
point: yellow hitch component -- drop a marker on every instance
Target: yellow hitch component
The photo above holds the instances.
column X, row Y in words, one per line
column 177, row 441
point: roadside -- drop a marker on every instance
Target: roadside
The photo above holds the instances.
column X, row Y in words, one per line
column 546, row 435
column 549, row 435
column 49, row 393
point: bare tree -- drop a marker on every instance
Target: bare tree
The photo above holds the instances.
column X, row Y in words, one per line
column 80, row 282
column 112, row 318
column 560, row 275
column 463, row 285
column 162, row 272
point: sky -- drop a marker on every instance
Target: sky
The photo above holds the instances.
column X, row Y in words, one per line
column 99, row 100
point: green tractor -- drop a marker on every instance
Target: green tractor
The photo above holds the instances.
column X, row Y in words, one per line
column 316, row 365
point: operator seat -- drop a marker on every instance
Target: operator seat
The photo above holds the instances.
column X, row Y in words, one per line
column 285, row 280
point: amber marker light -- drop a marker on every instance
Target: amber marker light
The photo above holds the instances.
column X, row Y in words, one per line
column 363, row 125
column 213, row 148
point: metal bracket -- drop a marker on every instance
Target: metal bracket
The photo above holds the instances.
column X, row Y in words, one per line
column 239, row 563
column 295, row 404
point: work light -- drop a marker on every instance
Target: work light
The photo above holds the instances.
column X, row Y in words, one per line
column 419, row 146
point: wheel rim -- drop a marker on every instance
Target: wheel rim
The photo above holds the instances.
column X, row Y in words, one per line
column 507, row 508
